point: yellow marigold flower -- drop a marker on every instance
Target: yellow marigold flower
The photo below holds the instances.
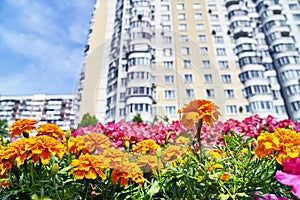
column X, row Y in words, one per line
column 149, row 163
column 22, row 126
column 125, row 172
column 113, row 157
column 182, row 140
column 285, row 142
column 87, row 166
column 171, row 153
column 76, row 146
column 4, row 183
column 44, row 147
column 96, row 142
column 146, row 146
column 199, row 109
column 225, row 177
column 7, row 157
column 51, row 130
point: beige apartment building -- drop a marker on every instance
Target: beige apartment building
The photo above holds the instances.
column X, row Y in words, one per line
column 153, row 56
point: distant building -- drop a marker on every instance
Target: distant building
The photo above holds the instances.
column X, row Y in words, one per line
column 57, row 109
column 153, row 56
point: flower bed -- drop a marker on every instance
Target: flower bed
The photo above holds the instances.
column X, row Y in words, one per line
column 194, row 158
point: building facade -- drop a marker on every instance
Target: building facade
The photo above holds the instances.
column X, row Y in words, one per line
column 153, row 56
column 57, row 109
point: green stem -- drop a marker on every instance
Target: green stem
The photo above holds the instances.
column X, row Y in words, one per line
column 198, row 136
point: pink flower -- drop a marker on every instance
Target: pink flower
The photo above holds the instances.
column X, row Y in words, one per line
column 268, row 197
column 291, row 175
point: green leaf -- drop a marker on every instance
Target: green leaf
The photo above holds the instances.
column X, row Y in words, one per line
column 62, row 171
column 154, row 189
column 242, row 194
column 224, row 196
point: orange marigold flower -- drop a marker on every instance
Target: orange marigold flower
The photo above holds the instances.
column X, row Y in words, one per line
column 113, row 157
column 199, row 109
column 182, row 140
column 146, row 146
column 96, row 142
column 149, row 163
column 125, row 172
column 87, row 166
column 285, row 142
column 171, row 153
column 51, row 130
column 225, row 177
column 7, row 157
column 76, row 146
column 22, row 126
column 4, row 183
column 46, row 146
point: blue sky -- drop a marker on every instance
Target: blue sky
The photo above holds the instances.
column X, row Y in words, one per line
column 42, row 45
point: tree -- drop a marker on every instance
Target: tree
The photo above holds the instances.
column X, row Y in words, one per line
column 88, row 120
column 137, row 118
column 3, row 129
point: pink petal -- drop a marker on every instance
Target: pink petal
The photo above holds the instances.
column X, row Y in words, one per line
column 290, row 180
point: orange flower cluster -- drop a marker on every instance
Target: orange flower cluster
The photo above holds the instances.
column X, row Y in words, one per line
column 146, row 146
column 76, row 146
column 199, row 110
column 22, row 126
column 285, row 142
column 125, row 172
column 171, row 153
column 225, row 177
column 182, row 140
column 113, row 157
column 87, row 166
column 149, row 163
column 51, row 130
column 96, row 142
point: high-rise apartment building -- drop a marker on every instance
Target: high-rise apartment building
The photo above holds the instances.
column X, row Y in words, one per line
column 153, row 56
column 56, row 109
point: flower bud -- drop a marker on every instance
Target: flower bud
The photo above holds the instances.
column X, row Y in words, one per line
column 54, row 169
column 127, row 144
column 158, row 153
column 68, row 134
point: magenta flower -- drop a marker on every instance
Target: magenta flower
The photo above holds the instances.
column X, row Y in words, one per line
column 268, row 197
column 291, row 175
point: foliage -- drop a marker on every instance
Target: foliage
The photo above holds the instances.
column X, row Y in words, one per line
column 3, row 129
column 88, row 120
column 137, row 118
column 131, row 160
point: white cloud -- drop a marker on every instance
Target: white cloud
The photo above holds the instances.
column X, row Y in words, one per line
column 48, row 38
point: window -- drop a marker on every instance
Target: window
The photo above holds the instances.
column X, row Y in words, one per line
column 122, row 112
column 229, row 94
column 214, row 17
column 165, row 18
column 212, row 6
column 122, row 96
column 221, row 52
column 180, row 6
column 198, row 16
column 223, row 65
column 184, row 51
column 165, row 7
column 166, row 28
column 208, row 78
column 186, row 64
column 231, row 109
column 226, row 78
column 169, row 79
column 123, row 81
column 293, row 6
column 265, row 105
column 217, row 28
column 205, row 63
column 167, row 39
column 167, row 52
column 181, row 16
column 296, row 105
column 170, row 110
column 200, row 27
column 188, row 78
column 218, row 39
column 296, row 17
column 293, row 89
column 169, row 94
column 210, row 93
column 197, row 6
column 168, row 64
column 189, row 93
column 183, row 38
column 203, row 50
column 201, row 38
column 182, row 27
